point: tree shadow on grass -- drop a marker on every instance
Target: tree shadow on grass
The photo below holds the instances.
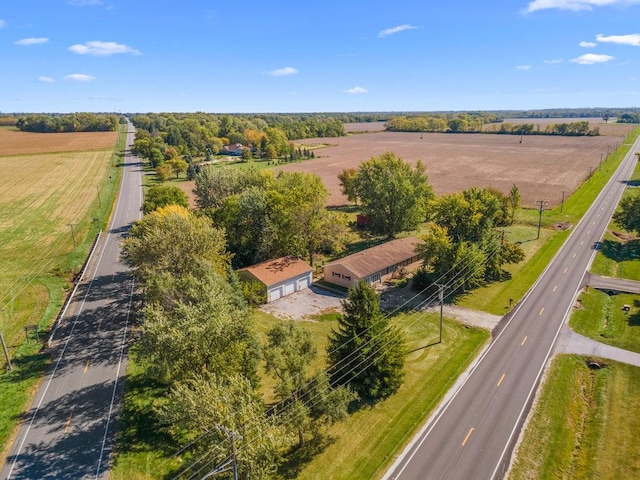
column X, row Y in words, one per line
column 620, row 252
column 298, row 457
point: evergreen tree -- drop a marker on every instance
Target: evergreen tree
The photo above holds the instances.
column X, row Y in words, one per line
column 365, row 352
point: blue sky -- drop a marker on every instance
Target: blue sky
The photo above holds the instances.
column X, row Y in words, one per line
column 329, row 56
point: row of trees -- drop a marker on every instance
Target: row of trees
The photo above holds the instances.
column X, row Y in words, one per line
column 267, row 216
column 201, row 134
column 570, row 129
column 73, row 122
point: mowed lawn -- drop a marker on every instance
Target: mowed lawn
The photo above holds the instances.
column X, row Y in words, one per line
column 40, row 198
column 585, row 424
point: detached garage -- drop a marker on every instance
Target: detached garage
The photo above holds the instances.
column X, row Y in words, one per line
column 373, row 264
column 280, row 276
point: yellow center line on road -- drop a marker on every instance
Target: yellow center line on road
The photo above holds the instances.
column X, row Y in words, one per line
column 66, row 426
column 468, row 435
column 524, row 340
column 574, row 254
column 565, row 270
column 86, row 367
column 541, row 311
column 555, row 288
column 501, row 379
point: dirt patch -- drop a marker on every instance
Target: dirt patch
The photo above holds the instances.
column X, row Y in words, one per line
column 15, row 142
column 541, row 166
column 623, row 236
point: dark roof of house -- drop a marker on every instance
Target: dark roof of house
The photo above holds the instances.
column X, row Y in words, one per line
column 375, row 259
column 278, row 270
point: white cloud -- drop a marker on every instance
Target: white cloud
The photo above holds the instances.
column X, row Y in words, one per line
column 2, row 23
column 80, row 77
column 631, row 39
column 523, row 68
column 587, row 44
column 553, row 62
column 282, row 72
column 400, row 28
column 43, row 79
column 575, row 5
column 31, row 41
column 356, row 91
column 592, row 58
column 102, row 49
column 85, row 3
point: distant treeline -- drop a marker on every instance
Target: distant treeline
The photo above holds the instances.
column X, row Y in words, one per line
column 72, row 122
column 162, row 136
column 464, row 123
column 629, row 117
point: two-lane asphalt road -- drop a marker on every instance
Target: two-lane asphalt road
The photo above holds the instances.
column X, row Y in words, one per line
column 472, row 435
column 68, row 433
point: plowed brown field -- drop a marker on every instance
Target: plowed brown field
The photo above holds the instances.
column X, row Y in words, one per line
column 15, row 142
column 541, row 166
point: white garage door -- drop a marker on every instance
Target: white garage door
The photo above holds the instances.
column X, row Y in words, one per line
column 274, row 294
column 289, row 288
column 303, row 283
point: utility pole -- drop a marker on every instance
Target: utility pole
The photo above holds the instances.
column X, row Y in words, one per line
column 73, row 236
column 542, row 205
column 562, row 202
column 224, row 466
column 6, row 353
column 441, row 298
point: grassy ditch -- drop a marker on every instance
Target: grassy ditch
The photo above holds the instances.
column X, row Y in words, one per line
column 37, row 255
column 361, row 447
column 585, row 424
column 602, row 318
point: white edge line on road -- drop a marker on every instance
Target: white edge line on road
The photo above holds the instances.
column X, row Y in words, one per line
column 66, row 343
column 424, row 432
column 115, row 384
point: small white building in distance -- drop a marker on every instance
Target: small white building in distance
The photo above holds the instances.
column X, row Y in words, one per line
column 373, row 264
column 280, row 276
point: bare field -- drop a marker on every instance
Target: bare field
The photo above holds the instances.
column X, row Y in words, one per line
column 15, row 142
column 541, row 166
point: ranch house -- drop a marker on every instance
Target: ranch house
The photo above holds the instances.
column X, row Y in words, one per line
column 280, row 276
column 235, row 149
column 373, row 264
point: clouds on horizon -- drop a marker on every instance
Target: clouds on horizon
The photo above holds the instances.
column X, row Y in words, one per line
column 79, row 77
column 31, row 41
column 592, row 59
column 283, row 72
column 356, row 91
column 102, row 49
column 393, row 30
column 575, row 5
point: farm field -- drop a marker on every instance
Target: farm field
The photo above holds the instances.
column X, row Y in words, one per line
column 542, row 166
column 15, row 142
column 41, row 197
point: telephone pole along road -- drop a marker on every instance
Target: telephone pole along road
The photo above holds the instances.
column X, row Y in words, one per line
column 473, row 433
column 69, row 431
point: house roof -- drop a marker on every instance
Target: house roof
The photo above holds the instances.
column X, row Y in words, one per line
column 378, row 258
column 278, row 270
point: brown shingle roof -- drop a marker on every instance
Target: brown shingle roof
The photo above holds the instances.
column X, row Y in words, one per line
column 377, row 258
column 278, row 270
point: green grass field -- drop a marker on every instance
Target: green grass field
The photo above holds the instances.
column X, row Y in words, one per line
column 42, row 194
column 602, row 318
column 361, row 447
column 585, row 424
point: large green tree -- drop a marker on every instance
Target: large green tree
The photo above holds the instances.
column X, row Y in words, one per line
column 174, row 241
column 628, row 213
column 206, row 411
column 366, row 352
column 307, row 402
column 163, row 195
column 393, row 195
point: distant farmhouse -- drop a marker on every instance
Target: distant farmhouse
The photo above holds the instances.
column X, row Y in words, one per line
column 373, row 264
column 235, row 149
column 280, row 276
